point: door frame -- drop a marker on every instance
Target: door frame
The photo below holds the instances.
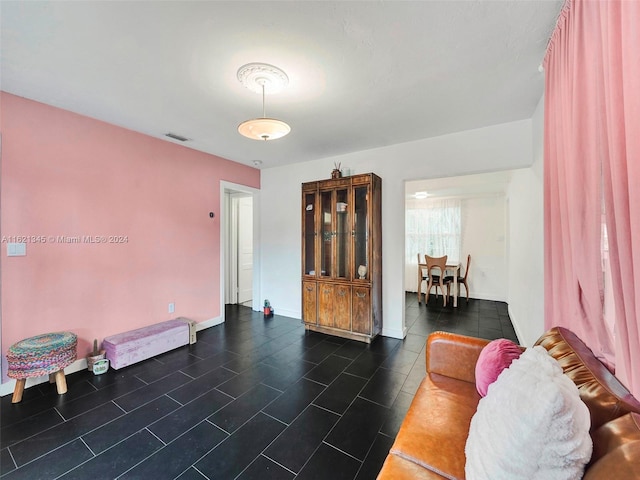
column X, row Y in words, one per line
column 226, row 189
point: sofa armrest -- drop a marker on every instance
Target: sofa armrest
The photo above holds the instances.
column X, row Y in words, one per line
column 453, row 355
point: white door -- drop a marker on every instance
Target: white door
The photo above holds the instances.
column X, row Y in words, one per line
column 245, row 249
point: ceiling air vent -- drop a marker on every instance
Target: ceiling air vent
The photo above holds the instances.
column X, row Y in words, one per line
column 175, row 136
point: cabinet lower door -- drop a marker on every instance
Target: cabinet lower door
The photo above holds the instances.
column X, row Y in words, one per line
column 325, row 304
column 309, row 302
column 361, row 313
column 342, row 307
column 334, row 306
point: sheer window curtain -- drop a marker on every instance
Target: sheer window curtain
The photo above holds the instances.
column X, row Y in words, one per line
column 433, row 227
column 592, row 152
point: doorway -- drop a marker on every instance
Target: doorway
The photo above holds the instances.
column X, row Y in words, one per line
column 241, row 250
column 239, row 282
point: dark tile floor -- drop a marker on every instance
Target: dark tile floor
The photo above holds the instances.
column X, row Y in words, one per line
column 254, row 398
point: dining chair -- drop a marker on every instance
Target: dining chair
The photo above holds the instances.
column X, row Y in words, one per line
column 437, row 279
column 462, row 280
column 422, row 276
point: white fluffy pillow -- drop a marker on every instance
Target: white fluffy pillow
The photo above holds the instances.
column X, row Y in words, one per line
column 532, row 425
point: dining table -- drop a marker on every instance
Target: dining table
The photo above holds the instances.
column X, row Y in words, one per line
column 453, row 267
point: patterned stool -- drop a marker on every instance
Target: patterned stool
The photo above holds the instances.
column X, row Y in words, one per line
column 41, row 355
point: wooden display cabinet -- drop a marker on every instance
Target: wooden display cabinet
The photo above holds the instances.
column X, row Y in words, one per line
column 342, row 256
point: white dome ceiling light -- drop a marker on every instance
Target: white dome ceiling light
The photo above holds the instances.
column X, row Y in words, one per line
column 263, row 78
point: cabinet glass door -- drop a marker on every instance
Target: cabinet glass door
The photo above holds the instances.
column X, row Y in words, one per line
column 360, row 232
column 309, row 254
column 342, row 234
column 326, row 233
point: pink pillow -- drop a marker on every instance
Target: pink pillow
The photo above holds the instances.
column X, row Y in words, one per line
column 494, row 357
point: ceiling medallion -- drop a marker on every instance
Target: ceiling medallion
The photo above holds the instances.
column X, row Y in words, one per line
column 255, row 75
column 263, row 78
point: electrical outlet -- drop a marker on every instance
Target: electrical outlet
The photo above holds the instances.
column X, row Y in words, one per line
column 172, row 307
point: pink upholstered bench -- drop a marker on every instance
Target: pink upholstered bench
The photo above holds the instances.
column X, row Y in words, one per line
column 128, row 348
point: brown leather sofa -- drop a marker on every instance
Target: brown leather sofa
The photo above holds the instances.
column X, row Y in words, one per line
column 431, row 440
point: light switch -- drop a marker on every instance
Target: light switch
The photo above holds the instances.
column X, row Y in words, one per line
column 16, row 249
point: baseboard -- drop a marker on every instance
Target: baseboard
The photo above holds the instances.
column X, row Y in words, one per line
column 516, row 327
column 394, row 332
column 288, row 313
column 484, row 296
column 212, row 322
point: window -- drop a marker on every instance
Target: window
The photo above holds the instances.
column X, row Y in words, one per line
column 432, row 228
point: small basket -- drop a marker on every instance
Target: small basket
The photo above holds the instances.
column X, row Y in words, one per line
column 101, row 366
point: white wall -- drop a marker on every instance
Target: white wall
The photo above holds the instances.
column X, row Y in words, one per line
column 526, row 241
column 484, row 223
column 500, row 147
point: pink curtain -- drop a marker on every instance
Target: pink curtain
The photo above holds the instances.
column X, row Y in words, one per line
column 592, row 152
column 620, row 28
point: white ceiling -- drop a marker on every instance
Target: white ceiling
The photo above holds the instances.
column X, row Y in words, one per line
column 361, row 74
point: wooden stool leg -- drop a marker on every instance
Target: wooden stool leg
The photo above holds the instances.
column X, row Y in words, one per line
column 52, row 377
column 61, row 382
column 18, row 390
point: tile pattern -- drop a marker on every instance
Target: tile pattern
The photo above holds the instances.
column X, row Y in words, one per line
column 254, row 398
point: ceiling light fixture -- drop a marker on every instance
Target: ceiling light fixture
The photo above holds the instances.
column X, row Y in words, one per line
column 263, row 78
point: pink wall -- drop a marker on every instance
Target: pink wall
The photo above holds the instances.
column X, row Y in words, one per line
column 63, row 174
